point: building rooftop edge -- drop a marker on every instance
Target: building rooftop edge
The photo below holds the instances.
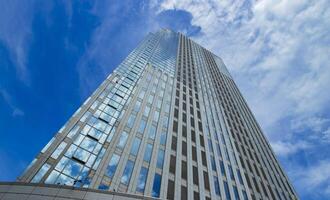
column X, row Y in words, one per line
column 78, row 189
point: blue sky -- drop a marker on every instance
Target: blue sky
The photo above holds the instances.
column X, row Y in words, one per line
column 53, row 54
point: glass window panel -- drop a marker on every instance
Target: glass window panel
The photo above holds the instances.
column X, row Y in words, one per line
column 245, row 195
column 73, row 131
column 142, row 126
column 159, row 102
column 216, row 186
column 71, row 150
column 41, row 173
column 239, row 177
column 236, row 193
column 127, row 172
column 156, row 116
column 146, row 111
column 148, row 153
column 81, row 154
column 72, row 169
column 95, row 104
column 61, row 164
column 85, row 116
column 85, row 130
column 122, row 140
column 83, row 176
column 151, row 99
column 142, row 93
column 142, row 180
column 64, row 180
column 160, row 158
column 226, row 190
column 222, row 168
column 103, row 187
column 156, row 185
column 98, row 160
column 112, row 133
column 91, row 160
column 88, row 144
column 59, row 150
column 135, row 146
column 231, row 172
column 131, row 121
column 111, row 169
column 152, row 132
column 78, row 139
column 137, row 106
column 100, row 125
column 97, row 148
column 95, row 133
column 214, row 168
column 163, row 138
column 52, row 177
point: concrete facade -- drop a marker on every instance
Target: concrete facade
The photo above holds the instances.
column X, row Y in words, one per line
column 35, row 191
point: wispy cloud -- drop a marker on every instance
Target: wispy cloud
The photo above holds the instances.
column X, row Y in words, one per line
column 282, row 148
column 10, row 102
column 315, row 179
column 15, row 22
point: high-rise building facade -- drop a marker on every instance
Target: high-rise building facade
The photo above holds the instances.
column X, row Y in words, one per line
column 169, row 122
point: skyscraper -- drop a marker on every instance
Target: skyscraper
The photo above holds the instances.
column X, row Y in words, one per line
column 169, row 122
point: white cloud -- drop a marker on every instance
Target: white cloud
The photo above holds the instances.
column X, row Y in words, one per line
column 314, row 177
column 277, row 51
column 15, row 22
column 285, row 149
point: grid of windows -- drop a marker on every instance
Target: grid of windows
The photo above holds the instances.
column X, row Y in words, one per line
column 168, row 122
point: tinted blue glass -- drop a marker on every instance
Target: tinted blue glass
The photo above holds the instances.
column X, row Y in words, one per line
column 147, row 153
column 122, row 140
column 156, row 185
column 72, row 169
column 142, row 126
column 142, row 180
column 231, row 172
column 111, row 169
column 222, row 167
column 52, row 177
column 81, row 154
column 95, row 133
column 236, row 193
column 103, row 187
column 216, row 185
column 219, row 150
column 156, row 116
column 135, row 146
column 65, row 180
column 160, row 158
column 163, row 138
column 226, row 190
column 127, row 172
column 239, row 177
column 210, row 145
column 214, row 168
column 245, row 195
column 131, row 121
column 152, row 132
